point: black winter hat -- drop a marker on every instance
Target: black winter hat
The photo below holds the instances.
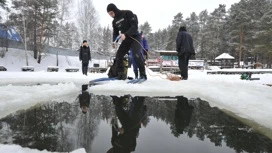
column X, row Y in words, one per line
column 112, row 7
column 182, row 28
column 84, row 41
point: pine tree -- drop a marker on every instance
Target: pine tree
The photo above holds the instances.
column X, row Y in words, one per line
column 192, row 26
column 240, row 24
column 146, row 28
column 172, row 35
column 107, row 40
column 202, row 40
column 39, row 17
column 214, row 31
column 173, row 30
column 244, row 26
column 262, row 36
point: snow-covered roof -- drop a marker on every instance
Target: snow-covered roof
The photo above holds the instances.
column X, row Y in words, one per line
column 166, row 51
column 224, row 56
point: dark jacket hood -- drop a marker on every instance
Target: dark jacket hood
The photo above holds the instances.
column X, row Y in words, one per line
column 182, row 28
column 112, row 7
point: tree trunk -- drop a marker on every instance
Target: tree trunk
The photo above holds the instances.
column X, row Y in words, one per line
column 41, row 35
column 35, row 34
column 269, row 63
column 240, row 46
column 25, row 39
column 57, row 58
column 7, row 42
column 201, row 48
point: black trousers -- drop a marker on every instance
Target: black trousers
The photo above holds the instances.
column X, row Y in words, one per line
column 135, row 47
column 85, row 68
column 183, row 61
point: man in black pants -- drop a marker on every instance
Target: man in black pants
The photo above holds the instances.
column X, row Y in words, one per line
column 185, row 50
column 84, row 56
column 127, row 23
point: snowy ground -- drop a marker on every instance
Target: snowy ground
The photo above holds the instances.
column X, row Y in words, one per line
column 19, row 149
column 251, row 100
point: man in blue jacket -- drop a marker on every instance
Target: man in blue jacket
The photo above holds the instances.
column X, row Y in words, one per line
column 125, row 25
column 144, row 54
column 145, row 46
column 185, row 49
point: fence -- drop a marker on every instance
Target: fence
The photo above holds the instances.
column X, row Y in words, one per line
column 49, row 49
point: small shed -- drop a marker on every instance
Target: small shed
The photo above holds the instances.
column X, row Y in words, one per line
column 225, row 60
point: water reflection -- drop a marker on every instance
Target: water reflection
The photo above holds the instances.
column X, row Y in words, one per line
column 129, row 124
column 183, row 114
column 84, row 99
column 130, row 115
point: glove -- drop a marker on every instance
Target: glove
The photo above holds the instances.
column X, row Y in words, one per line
column 113, row 45
column 145, row 51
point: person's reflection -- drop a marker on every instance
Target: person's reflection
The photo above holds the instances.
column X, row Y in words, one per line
column 84, row 99
column 183, row 114
column 124, row 138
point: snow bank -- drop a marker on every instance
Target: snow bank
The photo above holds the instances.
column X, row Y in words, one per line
column 15, row 98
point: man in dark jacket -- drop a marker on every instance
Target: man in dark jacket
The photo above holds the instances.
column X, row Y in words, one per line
column 85, row 56
column 125, row 25
column 185, row 50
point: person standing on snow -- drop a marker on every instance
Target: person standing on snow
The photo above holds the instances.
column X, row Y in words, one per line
column 126, row 22
column 85, row 57
column 185, row 49
column 144, row 54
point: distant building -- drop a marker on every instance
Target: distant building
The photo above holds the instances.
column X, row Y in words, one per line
column 225, row 61
column 165, row 60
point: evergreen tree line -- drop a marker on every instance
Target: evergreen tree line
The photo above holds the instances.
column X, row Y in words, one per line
column 244, row 30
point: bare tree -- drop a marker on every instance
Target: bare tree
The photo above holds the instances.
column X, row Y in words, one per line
column 87, row 22
column 64, row 7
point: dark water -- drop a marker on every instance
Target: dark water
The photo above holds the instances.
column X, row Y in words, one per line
column 131, row 124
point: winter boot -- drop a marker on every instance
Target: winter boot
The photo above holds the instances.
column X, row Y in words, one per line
column 125, row 62
column 143, row 75
column 136, row 74
column 121, row 76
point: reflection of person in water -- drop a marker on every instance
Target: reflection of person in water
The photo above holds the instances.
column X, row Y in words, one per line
column 84, row 99
column 124, row 139
column 183, row 114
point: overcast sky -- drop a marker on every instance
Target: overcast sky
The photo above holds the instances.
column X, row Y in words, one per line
column 158, row 13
